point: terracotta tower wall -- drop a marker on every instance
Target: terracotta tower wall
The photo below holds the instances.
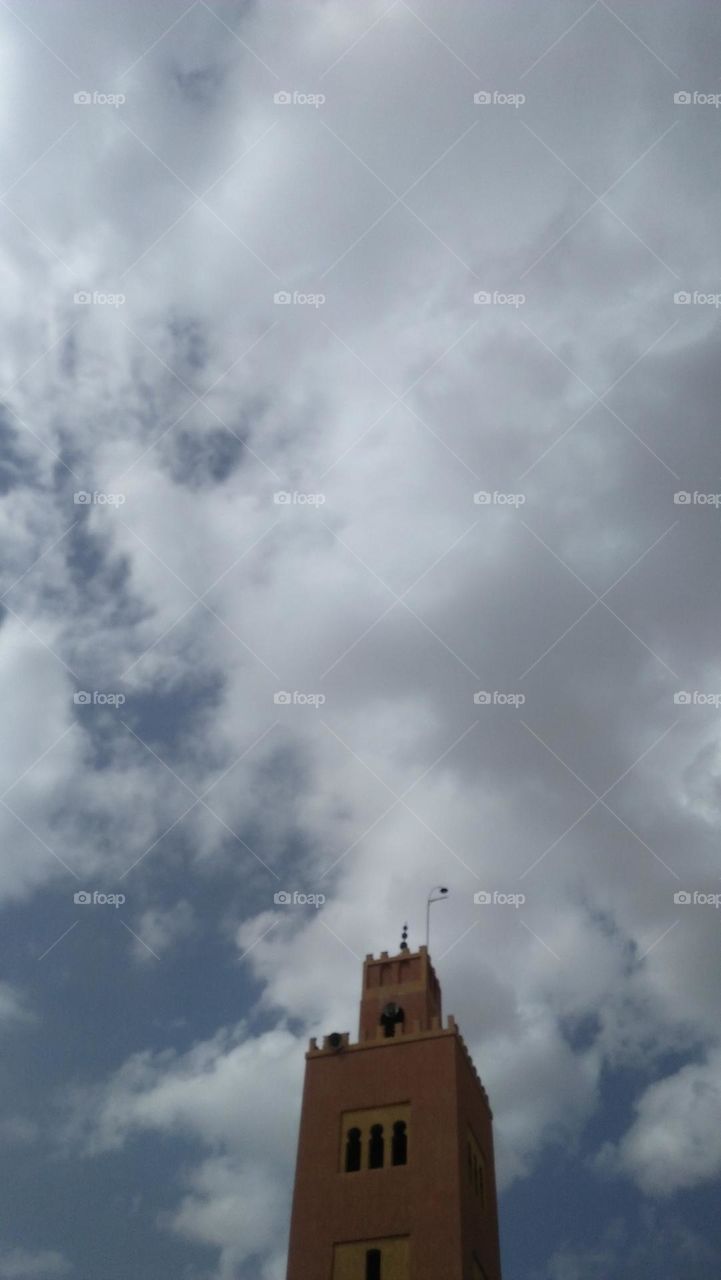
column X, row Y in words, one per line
column 395, row 1152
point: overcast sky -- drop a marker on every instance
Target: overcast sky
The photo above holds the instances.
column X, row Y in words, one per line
column 359, row 505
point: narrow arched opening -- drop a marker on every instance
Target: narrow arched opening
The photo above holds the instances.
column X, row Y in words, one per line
column 353, row 1151
column 375, row 1147
column 399, row 1144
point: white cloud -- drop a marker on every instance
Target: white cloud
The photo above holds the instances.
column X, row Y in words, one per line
column 13, row 1007
column 635, row 1250
column 233, row 1206
column 159, row 929
column 19, row 1131
column 674, row 1141
column 306, row 401
column 238, row 1097
column 28, row 1264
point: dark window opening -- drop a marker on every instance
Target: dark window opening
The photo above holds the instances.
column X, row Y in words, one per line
column 390, row 1018
column 375, row 1147
column 373, row 1264
column 399, row 1148
column 353, row 1151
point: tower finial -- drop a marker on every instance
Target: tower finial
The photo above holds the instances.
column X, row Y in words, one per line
column 404, row 938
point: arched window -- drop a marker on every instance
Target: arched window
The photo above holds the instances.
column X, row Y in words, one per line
column 399, row 1148
column 375, row 1147
column 373, row 1264
column 353, row 1151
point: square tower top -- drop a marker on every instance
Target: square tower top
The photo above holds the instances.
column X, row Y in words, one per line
column 399, row 992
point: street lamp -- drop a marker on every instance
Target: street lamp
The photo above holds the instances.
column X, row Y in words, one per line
column 438, row 894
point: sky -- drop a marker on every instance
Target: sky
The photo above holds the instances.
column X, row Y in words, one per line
column 359, row 498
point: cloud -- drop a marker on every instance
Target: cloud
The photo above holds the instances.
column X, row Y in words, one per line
column 635, row 1251
column 19, row 1131
column 231, row 1205
column 674, row 1140
column 160, row 929
column 237, row 1096
column 198, row 596
column 19, row 1264
column 13, row 1006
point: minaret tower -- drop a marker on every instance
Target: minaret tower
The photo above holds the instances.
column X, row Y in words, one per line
column 395, row 1177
